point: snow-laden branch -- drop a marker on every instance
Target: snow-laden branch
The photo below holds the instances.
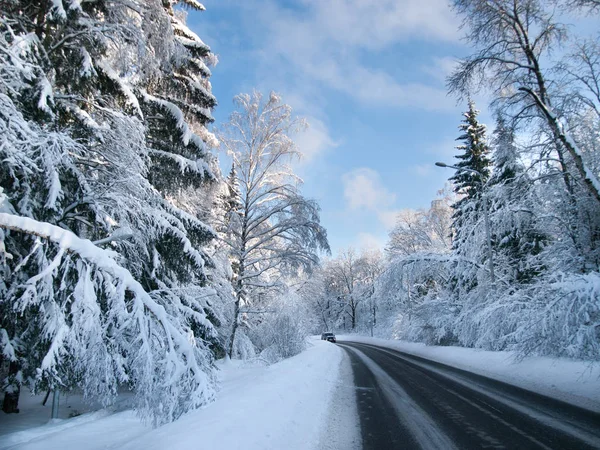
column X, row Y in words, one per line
column 590, row 179
column 176, row 351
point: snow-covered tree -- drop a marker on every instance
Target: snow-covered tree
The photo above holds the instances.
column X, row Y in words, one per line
column 349, row 284
column 278, row 230
column 542, row 194
column 410, row 234
column 176, row 101
column 514, row 41
column 372, row 266
column 516, row 233
column 76, row 167
column 474, row 156
column 423, row 230
column 470, row 209
column 344, row 278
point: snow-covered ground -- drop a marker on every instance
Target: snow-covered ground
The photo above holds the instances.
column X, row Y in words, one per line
column 298, row 403
column 574, row 382
column 305, row 402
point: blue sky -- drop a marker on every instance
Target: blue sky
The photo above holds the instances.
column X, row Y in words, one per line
column 370, row 78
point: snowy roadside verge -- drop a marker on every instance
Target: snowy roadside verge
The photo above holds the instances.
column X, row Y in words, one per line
column 575, row 382
column 280, row 406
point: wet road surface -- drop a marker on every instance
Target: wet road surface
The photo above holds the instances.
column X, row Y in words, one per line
column 407, row 402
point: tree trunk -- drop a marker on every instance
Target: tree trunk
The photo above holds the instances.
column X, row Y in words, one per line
column 238, row 298
column 11, row 395
column 374, row 315
column 236, row 313
column 46, row 397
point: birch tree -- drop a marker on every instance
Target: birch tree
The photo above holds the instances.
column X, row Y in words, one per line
column 514, row 39
column 522, row 57
column 275, row 230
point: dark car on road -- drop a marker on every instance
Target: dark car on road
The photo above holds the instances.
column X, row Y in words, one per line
column 328, row 337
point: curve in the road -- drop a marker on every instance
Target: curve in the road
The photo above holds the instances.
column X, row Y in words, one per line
column 409, row 402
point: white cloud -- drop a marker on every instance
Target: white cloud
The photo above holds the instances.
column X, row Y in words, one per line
column 365, row 192
column 315, row 140
column 368, row 241
column 441, row 68
column 374, row 25
column 363, row 189
column 322, row 45
column 376, row 86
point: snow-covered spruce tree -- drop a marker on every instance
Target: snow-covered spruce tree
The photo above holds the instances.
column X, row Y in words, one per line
column 474, row 156
column 547, row 86
column 469, row 209
column 175, row 99
column 231, row 209
column 516, row 231
column 77, row 167
column 278, row 230
column 488, row 319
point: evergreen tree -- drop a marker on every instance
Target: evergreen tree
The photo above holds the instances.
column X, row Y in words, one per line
column 515, row 231
column 474, row 156
column 469, row 185
column 231, row 207
column 176, row 100
column 75, row 84
column 231, row 199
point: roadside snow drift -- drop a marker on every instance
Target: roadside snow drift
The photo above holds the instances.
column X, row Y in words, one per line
column 283, row 406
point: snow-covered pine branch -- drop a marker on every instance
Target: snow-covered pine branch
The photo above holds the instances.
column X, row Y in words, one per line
column 109, row 309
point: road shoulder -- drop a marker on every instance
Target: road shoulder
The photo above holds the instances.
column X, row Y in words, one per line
column 342, row 431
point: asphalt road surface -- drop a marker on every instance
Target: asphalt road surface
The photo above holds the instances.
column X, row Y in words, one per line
column 407, row 402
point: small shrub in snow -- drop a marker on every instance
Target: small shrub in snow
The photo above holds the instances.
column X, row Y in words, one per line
column 243, row 348
column 287, row 336
column 283, row 336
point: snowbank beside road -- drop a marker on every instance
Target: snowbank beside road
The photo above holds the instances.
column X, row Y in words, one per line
column 574, row 382
column 280, row 406
column 277, row 407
